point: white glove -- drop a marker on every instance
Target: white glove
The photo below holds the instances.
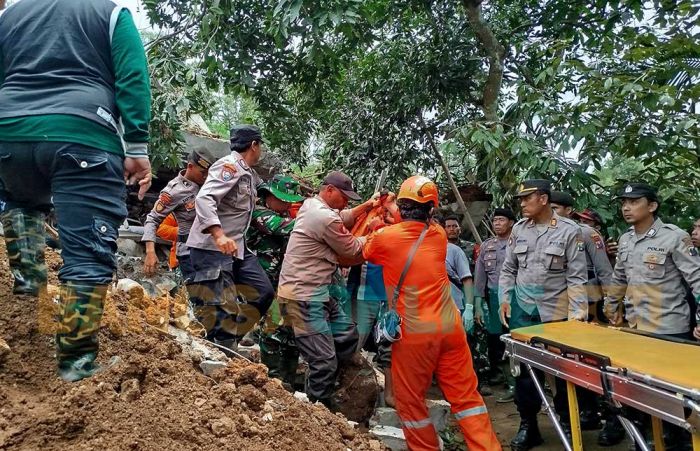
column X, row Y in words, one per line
column 468, row 318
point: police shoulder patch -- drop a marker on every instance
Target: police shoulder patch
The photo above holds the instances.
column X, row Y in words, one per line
column 159, row 207
column 579, row 245
column 189, row 203
column 228, row 171
column 597, row 240
column 165, row 198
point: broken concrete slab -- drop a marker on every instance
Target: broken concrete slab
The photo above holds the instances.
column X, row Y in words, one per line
column 209, row 366
column 251, row 353
column 438, row 409
column 391, row 437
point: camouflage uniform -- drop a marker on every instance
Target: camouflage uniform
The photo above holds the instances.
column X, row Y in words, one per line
column 268, row 237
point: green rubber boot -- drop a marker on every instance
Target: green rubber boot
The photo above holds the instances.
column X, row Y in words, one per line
column 80, row 313
column 25, row 242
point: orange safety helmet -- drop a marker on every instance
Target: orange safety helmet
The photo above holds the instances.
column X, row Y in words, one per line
column 420, row 189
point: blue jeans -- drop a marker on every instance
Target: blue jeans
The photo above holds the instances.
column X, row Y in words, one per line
column 86, row 188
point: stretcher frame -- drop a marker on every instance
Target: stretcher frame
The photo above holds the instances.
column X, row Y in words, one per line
column 662, row 400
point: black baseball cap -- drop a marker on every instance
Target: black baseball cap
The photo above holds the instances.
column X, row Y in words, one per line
column 532, row 185
column 343, row 183
column 637, row 190
column 504, row 212
column 561, row 198
column 244, row 134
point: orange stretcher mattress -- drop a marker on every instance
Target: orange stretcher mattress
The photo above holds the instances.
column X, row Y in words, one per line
column 676, row 363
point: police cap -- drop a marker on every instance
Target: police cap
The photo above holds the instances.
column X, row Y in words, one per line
column 561, row 198
column 533, row 185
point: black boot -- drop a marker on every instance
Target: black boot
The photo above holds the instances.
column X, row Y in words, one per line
column 528, row 436
column 590, row 421
column 612, row 432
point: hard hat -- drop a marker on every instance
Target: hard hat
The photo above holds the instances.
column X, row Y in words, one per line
column 420, row 189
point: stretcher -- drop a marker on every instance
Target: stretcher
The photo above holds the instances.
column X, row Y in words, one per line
column 658, row 377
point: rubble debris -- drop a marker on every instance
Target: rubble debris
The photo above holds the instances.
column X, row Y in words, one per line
column 156, row 398
column 391, row 437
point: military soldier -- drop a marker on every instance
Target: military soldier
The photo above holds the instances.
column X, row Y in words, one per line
column 267, row 237
column 224, row 267
column 178, row 197
column 488, row 269
column 654, row 261
column 543, row 279
column 74, row 114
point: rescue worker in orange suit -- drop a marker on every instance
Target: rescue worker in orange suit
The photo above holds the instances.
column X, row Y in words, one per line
column 432, row 340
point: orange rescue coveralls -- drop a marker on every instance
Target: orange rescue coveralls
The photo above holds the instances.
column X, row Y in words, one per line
column 433, row 341
column 167, row 230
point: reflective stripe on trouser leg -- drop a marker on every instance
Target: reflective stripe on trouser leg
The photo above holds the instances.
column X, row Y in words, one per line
column 470, row 412
column 416, row 424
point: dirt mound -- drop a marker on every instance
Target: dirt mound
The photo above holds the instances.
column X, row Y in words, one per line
column 153, row 397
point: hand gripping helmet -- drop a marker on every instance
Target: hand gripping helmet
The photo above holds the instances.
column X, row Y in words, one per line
column 420, row 189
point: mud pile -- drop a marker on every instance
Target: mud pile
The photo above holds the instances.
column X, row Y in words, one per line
column 154, row 397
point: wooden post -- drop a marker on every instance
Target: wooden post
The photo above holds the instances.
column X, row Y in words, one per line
column 462, row 206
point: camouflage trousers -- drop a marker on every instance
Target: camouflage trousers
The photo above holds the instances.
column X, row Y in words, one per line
column 24, row 239
column 279, row 353
column 79, row 316
column 479, row 348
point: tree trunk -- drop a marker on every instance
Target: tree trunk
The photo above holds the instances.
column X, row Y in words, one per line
column 496, row 56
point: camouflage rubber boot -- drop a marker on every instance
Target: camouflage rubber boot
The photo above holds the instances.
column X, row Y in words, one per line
column 80, row 313
column 25, row 241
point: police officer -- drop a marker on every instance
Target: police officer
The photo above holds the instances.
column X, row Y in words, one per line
column 70, row 71
column 324, row 334
column 225, row 269
column 599, row 267
column 267, row 237
column 654, row 261
column 543, row 279
column 178, row 197
column 488, row 269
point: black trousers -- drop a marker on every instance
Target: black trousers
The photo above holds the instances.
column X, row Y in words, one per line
column 229, row 295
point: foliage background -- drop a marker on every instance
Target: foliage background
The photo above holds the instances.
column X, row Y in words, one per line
column 590, row 94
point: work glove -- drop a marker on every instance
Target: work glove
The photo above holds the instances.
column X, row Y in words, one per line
column 468, row 318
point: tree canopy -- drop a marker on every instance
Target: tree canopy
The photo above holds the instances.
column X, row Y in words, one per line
column 510, row 89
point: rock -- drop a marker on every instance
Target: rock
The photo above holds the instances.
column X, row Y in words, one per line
column 199, row 402
column 439, row 411
column 375, row 445
column 209, row 366
column 392, row 437
column 385, row 416
column 130, row 248
column 348, row 433
column 249, row 352
column 4, row 349
column 267, row 417
column 301, row 396
column 222, row 427
column 130, row 390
